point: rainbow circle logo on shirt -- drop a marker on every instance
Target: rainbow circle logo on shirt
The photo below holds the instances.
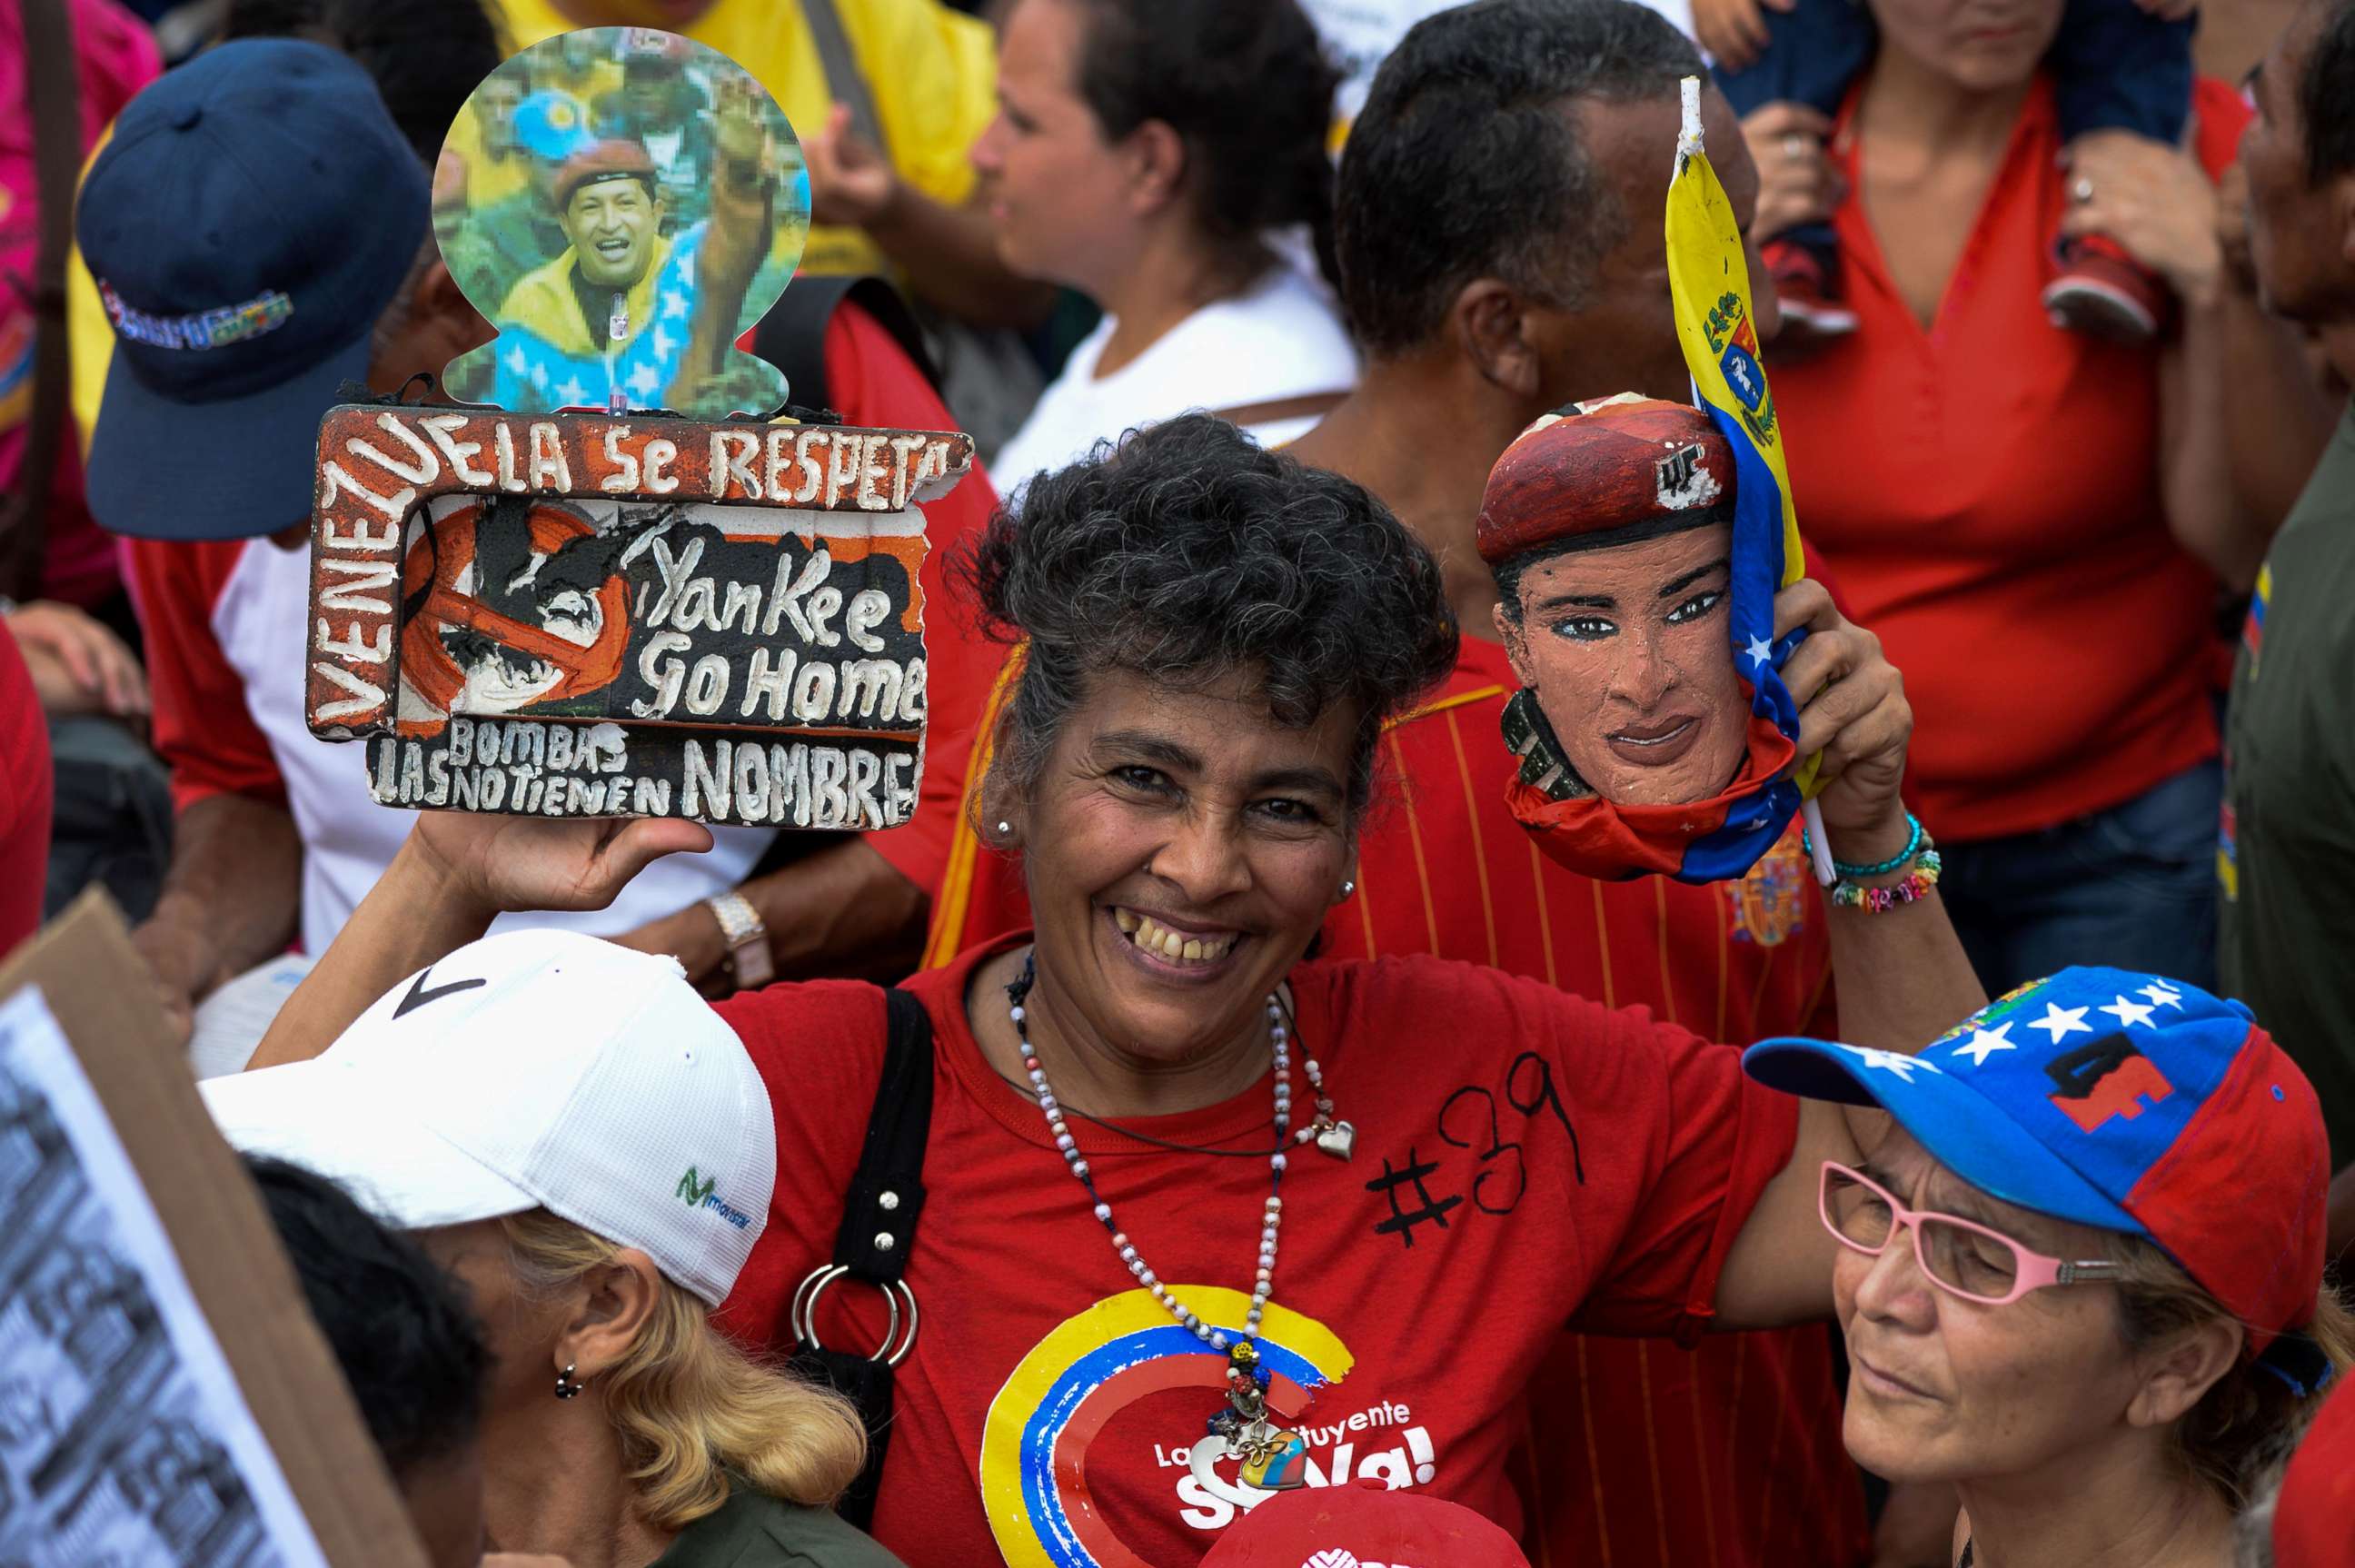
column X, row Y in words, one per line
column 1095, row 1364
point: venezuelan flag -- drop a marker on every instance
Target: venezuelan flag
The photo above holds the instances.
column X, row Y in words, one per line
column 1710, row 285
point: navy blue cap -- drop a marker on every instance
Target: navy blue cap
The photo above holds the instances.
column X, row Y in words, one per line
column 254, row 213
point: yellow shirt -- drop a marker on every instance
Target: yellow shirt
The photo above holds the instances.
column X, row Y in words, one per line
column 931, row 72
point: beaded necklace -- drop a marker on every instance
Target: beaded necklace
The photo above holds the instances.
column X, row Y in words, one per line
column 1271, row 1454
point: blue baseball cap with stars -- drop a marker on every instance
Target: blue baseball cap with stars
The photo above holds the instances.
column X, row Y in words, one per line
column 2119, row 1100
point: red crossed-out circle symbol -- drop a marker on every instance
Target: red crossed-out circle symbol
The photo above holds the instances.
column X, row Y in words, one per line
column 438, row 566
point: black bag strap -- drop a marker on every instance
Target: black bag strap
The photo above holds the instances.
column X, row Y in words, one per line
column 878, row 1223
column 791, row 337
column 887, row 1191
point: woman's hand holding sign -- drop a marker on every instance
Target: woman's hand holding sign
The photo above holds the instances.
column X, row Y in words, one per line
column 483, row 865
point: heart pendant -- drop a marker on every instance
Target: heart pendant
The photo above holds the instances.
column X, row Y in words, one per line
column 1338, row 1140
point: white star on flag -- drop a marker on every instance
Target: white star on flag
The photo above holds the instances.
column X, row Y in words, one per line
column 539, row 377
column 2058, row 1021
column 1890, row 1062
column 573, row 392
column 2128, row 1012
column 1759, row 652
column 1986, row 1043
column 663, row 341
column 643, row 381
column 674, row 304
column 2161, row 995
column 516, row 359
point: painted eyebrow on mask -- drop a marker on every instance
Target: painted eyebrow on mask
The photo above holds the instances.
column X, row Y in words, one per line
column 1678, row 587
column 1576, row 602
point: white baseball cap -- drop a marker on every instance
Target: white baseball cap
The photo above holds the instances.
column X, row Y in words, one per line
column 535, row 1070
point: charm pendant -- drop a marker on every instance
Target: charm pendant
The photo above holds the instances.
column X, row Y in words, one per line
column 1273, row 1457
column 1336, row 1138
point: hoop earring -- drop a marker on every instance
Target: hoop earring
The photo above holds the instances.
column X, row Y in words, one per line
column 566, row 1386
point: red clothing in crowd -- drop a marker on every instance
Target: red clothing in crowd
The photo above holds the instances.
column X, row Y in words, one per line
column 229, row 706
column 116, row 56
column 1555, row 1163
column 25, row 790
column 1639, row 1452
column 1987, row 490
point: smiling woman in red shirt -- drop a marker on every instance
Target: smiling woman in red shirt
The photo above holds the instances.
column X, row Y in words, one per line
column 1994, row 496
column 1474, row 1161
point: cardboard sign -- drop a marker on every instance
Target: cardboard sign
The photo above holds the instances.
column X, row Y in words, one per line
column 168, row 1398
column 583, row 614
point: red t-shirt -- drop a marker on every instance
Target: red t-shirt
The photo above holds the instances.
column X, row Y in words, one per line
column 1987, row 491
column 1556, row 1163
column 25, row 790
column 1728, row 1452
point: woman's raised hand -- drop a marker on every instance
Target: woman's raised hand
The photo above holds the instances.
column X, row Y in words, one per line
column 1852, row 710
column 497, row 863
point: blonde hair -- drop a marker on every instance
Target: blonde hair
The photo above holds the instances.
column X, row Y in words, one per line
column 2228, row 1438
column 691, row 1407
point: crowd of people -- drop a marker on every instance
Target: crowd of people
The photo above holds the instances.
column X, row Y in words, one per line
column 1639, row 1220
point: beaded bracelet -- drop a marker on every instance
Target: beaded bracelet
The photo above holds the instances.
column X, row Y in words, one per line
column 1876, row 901
column 1913, row 845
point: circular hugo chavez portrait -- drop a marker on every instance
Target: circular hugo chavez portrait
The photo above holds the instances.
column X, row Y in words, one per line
column 1648, row 742
column 621, row 204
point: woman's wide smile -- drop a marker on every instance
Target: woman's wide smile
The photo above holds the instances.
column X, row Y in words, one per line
column 1171, row 948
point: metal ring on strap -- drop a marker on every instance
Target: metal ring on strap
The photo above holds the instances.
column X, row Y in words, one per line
column 803, row 1315
column 909, row 1343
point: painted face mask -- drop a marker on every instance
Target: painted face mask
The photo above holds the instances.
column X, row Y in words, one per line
column 1640, row 627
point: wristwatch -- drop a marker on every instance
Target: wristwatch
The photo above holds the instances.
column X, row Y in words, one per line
column 747, row 937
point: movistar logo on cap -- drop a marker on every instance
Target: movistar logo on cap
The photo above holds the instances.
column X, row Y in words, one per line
column 697, row 1192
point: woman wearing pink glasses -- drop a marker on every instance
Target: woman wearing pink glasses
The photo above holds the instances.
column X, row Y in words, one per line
column 2082, row 1277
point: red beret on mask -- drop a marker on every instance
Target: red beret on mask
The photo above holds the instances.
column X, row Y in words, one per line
column 1608, row 473
column 612, row 159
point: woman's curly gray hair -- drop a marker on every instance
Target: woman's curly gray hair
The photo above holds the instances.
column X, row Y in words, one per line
column 1186, row 554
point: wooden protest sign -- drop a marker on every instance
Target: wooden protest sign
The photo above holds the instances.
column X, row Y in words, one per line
column 170, row 1399
column 594, row 615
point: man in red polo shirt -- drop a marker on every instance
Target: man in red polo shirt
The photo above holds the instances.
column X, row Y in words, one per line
column 1485, row 293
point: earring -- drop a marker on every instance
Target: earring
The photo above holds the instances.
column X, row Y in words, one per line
column 1348, row 886
column 565, row 1388
column 1005, row 830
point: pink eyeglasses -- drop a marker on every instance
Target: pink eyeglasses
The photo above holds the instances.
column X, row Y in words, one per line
column 1958, row 1255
